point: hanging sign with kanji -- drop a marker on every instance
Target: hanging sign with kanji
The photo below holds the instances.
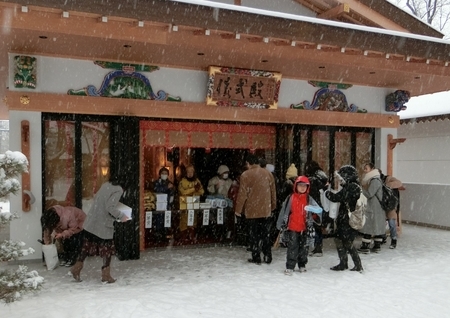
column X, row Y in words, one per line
column 243, row 88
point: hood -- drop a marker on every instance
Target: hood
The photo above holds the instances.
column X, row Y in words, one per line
column 347, row 174
column 301, row 179
column 222, row 169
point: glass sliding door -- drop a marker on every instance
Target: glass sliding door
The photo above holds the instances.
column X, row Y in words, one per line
column 59, row 161
column 69, row 181
column 95, row 159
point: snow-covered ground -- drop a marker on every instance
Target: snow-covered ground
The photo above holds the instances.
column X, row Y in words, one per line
column 411, row 281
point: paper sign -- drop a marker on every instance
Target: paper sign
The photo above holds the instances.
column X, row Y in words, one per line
column 148, row 220
column 205, row 217
column 219, row 216
column 190, row 221
column 167, row 218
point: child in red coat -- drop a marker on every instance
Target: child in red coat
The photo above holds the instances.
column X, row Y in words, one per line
column 296, row 217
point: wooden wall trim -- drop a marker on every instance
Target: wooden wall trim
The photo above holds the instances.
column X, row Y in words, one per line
column 62, row 103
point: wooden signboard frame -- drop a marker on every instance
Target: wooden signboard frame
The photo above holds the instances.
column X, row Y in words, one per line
column 243, row 88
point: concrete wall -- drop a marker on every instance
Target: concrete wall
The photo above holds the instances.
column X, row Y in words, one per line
column 423, row 162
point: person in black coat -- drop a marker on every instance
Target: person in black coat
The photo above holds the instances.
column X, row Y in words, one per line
column 319, row 181
column 345, row 235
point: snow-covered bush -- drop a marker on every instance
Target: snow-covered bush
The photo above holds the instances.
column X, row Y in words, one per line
column 14, row 284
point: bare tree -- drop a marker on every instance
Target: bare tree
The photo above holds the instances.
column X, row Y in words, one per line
column 434, row 12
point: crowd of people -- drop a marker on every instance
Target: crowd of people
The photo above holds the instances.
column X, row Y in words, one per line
column 293, row 213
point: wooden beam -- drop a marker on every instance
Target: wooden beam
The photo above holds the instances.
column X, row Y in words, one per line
column 371, row 15
column 61, row 103
column 335, row 12
column 390, row 147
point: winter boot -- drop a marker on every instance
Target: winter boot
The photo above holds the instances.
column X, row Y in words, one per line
column 393, row 244
column 106, row 275
column 364, row 248
column 356, row 260
column 377, row 245
column 317, row 252
column 343, row 257
column 76, row 269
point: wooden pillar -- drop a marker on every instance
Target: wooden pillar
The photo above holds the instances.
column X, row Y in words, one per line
column 390, row 148
column 26, row 182
column 237, row 2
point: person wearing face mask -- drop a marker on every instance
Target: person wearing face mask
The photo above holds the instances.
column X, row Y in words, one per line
column 220, row 184
column 164, row 185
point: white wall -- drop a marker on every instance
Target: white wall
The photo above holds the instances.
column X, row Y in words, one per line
column 58, row 75
column 28, row 227
column 424, row 167
column 425, row 155
column 426, row 203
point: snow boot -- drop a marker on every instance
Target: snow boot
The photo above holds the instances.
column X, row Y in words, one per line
column 317, row 252
column 106, row 275
column 364, row 248
column 76, row 269
column 356, row 259
column 343, row 257
column 393, row 244
column 377, row 245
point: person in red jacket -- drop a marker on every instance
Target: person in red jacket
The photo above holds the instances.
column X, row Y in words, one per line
column 297, row 219
column 64, row 223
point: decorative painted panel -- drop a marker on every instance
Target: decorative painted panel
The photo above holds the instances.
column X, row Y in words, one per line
column 125, row 82
column 329, row 98
column 24, row 71
column 395, row 101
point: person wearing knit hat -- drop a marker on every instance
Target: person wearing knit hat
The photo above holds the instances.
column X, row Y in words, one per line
column 287, row 188
column 220, row 184
column 291, row 172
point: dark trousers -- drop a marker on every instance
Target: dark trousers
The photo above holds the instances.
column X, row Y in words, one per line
column 72, row 247
column 345, row 246
column 297, row 250
column 259, row 238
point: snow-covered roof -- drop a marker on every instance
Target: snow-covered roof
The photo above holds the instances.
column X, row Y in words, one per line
column 294, row 17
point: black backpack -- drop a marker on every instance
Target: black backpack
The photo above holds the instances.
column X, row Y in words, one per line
column 389, row 200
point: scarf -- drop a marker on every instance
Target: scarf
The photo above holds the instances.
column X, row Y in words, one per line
column 297, row 218
column 370, row 175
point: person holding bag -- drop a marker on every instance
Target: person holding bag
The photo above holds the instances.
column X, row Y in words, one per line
column 99, row 228
column 345, row 234
column 65, row 224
